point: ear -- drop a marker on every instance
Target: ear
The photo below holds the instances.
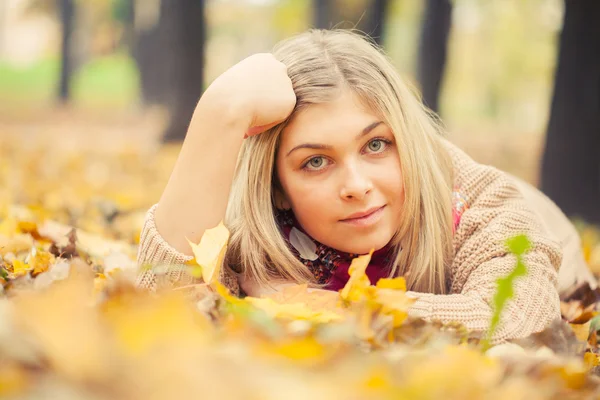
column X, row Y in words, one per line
column 280, row 199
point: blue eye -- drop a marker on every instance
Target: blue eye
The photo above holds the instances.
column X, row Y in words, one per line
column 377, row 145
column 315, row 163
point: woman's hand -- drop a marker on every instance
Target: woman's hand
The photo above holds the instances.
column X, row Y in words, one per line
column 259, row 90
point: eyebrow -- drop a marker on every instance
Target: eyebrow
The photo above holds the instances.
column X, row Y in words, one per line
column 318, row 146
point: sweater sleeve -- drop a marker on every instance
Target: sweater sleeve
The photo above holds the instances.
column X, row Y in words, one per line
column 161, row 264
column 497, row 211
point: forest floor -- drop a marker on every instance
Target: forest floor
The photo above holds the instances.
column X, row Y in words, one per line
column 74, row 326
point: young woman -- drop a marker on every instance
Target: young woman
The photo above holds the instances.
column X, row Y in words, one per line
column 319, row 152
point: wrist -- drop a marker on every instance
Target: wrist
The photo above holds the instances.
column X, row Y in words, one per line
column 231, row 110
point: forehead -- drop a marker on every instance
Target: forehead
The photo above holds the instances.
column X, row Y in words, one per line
column 341, row 118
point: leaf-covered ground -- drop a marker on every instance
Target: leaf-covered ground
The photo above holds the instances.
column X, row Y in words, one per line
column 73, row 326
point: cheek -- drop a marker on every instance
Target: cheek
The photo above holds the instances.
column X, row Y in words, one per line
column 312, row 201
column 309, row 200
column 391, row 182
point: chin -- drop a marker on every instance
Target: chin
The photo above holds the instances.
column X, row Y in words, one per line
column 363, row 246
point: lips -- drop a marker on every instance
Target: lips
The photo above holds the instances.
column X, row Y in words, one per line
column 362, row 214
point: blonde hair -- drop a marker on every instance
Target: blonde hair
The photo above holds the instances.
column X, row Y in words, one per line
column 320, row 64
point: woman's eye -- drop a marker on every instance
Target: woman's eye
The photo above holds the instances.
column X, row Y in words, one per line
column 315, row 163
column 376, row 145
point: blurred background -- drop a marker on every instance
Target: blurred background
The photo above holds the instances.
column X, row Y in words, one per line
column 95, row 95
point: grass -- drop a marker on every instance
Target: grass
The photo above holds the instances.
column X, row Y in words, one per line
column 107, row 82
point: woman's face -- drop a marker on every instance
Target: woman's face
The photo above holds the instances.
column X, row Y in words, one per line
column 339, row 169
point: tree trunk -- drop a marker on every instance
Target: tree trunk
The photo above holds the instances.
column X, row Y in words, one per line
column 571, row 161
column 129, row 23
column 183, row 29
column 376, row 22
column 170, row 57
column 369, row 19
column 322, row 14
column 67, row 13
column 433, row 49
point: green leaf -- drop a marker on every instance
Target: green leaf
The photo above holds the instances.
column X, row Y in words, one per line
column 519, row 245
column 595, row 323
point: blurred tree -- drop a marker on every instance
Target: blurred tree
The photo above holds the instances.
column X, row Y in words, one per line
column 322, row 14
column 433, row 48
column 367, row 16
column 170, row 57
column 67, row 14
column 124, row 12
column 571, row 161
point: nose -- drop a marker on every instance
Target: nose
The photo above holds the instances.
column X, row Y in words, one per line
column 356, row 184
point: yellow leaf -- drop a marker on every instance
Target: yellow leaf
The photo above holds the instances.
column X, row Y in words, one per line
column 20, row 268
column 40, row 262
column 582, row 331
column 394, row 303
column 359, row 280
column 378, row 379
column 66, row 328
column 15, row 244
column 444, row 377
column 393, row 283
column 573, row 374
column 591, row 360
column 142, row 323
column 315, row 299
column 210, row 252
column 99, row 283
column 303, row 349
column 225, row 294
column 9, row 226
column 292, row 310
column 13, row 380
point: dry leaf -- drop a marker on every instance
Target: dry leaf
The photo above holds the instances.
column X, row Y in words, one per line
column 293, row 311
column 20, row 268
column 210, row 252
column 358, row 282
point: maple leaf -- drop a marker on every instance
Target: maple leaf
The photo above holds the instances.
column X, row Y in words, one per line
column 210, row 252
column 359, row 281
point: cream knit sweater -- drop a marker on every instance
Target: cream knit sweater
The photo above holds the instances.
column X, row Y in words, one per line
column 499, row 206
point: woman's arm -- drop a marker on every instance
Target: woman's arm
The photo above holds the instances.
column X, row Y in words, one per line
column 196, row 194
column 248, row 98
column 497, row 211
column 535, row 305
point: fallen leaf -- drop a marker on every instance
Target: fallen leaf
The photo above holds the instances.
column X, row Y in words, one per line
column 20, row 268
column 359, row 281
column 398, row 283
column 293, row 311
column 582, row 331
column 210, row 252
